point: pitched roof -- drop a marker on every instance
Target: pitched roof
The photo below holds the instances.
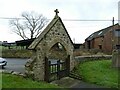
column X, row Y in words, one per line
column 100, row 33
column 46, row 30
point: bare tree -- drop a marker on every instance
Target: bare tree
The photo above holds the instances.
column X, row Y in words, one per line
column 29, row 26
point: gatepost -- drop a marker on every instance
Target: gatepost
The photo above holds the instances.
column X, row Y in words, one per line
column 116, row 43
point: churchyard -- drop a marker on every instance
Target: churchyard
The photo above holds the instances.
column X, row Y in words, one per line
column 55, row 44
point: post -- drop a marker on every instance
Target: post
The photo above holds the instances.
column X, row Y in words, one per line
column 113, row 21
column 46, row 77
column 116, row 49
column 113, row 33
column 58, row 69
column 68, row 65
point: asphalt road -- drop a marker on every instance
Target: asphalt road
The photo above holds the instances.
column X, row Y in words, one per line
column 15, row 64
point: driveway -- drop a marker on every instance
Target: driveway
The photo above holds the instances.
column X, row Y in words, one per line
column 15, row 64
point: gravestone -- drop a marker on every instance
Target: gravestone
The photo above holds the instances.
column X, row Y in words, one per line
column 54, row 43
column 116, row 50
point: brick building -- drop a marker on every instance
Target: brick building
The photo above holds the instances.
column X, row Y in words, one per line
column 102, row 39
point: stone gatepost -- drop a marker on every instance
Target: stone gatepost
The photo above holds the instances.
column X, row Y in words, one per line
column 116, row 50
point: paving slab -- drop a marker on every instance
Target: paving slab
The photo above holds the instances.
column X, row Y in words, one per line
column 68, row 82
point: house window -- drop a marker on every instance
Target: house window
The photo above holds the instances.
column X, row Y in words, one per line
column 91, row 35
column 117, row 46
column 100, row 46
column 100, row 33
column 117, row 32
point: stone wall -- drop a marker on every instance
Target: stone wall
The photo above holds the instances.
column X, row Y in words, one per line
column 116, row 58
column 92, row 58
column 35, row 67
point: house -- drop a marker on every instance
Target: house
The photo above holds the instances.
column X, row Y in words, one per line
column 102, row 39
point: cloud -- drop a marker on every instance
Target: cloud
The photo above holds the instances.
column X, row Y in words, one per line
column 69, row 9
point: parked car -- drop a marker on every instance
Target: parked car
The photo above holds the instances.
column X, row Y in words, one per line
column 3, row 62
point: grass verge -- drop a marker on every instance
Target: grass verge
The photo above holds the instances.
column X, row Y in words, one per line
column 13, row 81
column 99, row 72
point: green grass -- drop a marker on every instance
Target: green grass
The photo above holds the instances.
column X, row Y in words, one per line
column 13, row 81
column 99, row 72
column 12, row 47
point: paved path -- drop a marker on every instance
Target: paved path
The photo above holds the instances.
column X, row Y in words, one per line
column 68, row 82
column 15, row 64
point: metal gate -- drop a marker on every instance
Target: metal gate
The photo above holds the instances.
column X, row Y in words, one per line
column 55, row 71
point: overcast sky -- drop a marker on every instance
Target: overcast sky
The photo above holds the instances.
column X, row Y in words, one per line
column 68, row 9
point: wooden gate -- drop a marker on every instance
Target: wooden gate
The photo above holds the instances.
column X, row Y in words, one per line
column 55, row 71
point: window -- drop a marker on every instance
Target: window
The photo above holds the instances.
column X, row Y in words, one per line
column 117, row 33
column 91, row 35
column 100, row 33
column 100, row 46
column 60, row 46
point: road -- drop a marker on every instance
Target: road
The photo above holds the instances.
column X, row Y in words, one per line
column 15, row 64
column 18, row 65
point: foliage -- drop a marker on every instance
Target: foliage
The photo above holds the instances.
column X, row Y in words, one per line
column 99, row 72
column 13, row 81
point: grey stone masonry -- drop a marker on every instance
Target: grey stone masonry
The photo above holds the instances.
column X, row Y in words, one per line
column 42, row 47
column 116, row 50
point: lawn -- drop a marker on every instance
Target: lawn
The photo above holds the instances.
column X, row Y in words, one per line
column 13, row 81
column 99, row 72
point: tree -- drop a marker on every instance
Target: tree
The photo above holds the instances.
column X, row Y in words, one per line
column 29, row 26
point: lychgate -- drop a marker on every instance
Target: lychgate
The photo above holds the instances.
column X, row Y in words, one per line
column 52, row 53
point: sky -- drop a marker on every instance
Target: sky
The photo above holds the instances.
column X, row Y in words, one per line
column 69, row 11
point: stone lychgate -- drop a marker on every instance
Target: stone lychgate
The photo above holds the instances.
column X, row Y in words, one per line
column 54, row 43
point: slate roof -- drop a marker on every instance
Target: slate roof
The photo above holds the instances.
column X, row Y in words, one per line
column 26, row 42
column 46, row 30
column 99, row 33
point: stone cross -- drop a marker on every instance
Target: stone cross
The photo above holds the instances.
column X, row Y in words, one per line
column 56, row 11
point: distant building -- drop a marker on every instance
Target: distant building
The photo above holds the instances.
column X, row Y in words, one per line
column 102, row 39
column 0, row 43
column 77, row 45
column 24, row 42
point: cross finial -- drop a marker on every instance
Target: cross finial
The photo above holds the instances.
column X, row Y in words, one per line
column 56, row 11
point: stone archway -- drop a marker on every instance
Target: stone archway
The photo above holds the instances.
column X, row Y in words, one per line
column 53, row 43
column 57, row 63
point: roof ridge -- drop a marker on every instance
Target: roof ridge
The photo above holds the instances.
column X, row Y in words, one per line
column 103, row 30
column 47, row 28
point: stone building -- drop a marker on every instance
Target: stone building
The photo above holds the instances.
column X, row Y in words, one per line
column 102, row 39
column 53, row 43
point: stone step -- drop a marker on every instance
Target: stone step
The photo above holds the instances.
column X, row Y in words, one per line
column 75, row 76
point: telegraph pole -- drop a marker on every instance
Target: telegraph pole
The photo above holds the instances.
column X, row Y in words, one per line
column 113, row 34
column 74, row 40
column 113, row 21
